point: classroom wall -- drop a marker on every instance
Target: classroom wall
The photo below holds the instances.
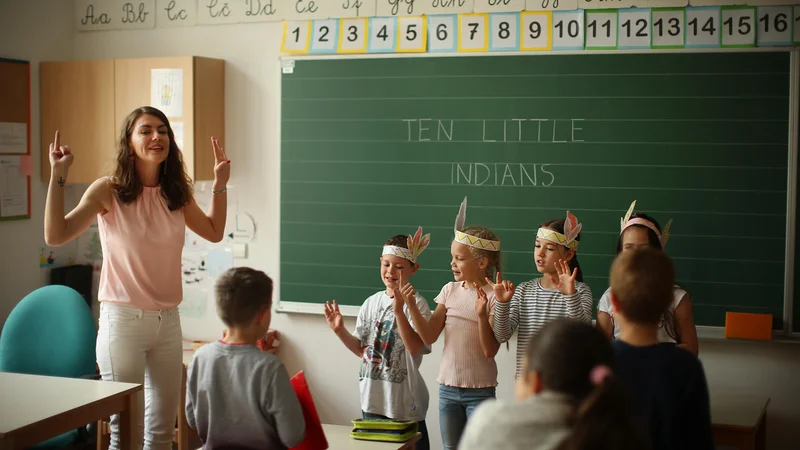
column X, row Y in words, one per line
column 252, row 126
column 32, row 30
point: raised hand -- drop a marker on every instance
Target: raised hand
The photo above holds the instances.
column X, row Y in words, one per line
column 482, row 303
column 222, row 165
column 60, row 156
column 565, row 282
column 503, row 289
column 333, row 316
column 405, row 293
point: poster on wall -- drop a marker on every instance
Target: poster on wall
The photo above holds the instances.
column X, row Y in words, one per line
column 166, row 91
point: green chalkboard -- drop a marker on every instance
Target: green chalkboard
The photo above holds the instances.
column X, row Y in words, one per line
column 373, row 147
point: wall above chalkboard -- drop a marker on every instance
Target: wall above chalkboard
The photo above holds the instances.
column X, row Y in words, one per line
column 374, row 147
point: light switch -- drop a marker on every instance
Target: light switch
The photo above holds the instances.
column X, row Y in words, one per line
column 240, row 250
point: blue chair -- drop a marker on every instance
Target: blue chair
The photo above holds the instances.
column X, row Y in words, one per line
column 50, row 332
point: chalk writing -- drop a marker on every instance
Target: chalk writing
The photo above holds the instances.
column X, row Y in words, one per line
column 501, row 174
column 496, row 130
column 134, row 15
column 255, row 8
column 89, row 18
column 181, row 14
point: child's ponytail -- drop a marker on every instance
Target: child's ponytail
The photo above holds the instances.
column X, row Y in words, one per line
column 574, row 358
column 604, row 420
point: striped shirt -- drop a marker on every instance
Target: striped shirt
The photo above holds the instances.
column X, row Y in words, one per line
column 532, row 306
column 463, row 363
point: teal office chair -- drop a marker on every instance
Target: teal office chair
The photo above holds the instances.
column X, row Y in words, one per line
column 51, row 332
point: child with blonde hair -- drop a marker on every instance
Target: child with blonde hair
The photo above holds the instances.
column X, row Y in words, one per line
column 559, row 292
column 386, row 341
column 468, row 372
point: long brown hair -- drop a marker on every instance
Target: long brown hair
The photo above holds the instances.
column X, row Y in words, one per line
column 176, row 187
column 565, row 354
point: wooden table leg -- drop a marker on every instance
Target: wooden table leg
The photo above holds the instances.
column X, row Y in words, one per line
column 761, row 433
column 127, row 425
column 7, row 443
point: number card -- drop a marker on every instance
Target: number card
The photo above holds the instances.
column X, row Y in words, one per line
column 412, row 34
column 601, row 29
column 702, row 27
column 352, row 35
column 634, row 28
column 503, row 32
column 296, row 36
column 382, row 34
column 442, row 34
column 796, row 33
column 323, row 36
column 535, row 30
column 738, row 26
column 473, row 32
column 773, row 25
column 568, row 30
column 668, row 27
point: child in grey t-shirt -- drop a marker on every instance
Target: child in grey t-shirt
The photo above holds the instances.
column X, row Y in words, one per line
column 236, row 395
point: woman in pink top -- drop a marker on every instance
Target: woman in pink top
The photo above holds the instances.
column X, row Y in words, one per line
column 468, row 372
column 142, row 211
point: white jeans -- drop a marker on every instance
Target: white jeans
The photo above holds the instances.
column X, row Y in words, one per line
column 138, row 346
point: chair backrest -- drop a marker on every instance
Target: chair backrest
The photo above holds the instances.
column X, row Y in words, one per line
column 50, row 332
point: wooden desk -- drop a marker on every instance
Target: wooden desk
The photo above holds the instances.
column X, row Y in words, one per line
column 338, row 437
column 739, row 420
column 35, row 408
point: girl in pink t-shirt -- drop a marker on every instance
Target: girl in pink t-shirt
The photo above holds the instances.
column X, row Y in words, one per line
column 467, row 373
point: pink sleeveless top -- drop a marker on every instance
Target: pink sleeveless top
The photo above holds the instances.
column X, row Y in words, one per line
column 142, row 247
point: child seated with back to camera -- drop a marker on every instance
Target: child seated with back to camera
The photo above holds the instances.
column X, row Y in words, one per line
column 236, row 395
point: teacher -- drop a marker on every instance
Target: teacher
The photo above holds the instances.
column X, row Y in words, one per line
column 142, row 211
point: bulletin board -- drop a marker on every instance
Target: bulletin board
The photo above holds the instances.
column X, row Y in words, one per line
column 15, row 138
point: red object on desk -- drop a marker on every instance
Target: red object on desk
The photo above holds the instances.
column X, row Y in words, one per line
column 315, row 436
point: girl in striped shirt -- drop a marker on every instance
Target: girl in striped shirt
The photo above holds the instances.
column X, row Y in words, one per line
column 467, row 373
column 560, row 292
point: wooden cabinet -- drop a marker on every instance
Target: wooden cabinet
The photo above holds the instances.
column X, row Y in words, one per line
column 88, row 100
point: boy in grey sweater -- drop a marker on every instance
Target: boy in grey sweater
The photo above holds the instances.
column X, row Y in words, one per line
column 236, row 395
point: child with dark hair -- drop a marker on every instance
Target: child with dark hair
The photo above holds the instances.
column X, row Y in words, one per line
column 567, row 399
column 668, row 384
column 560, row 292
column 639, row 230
column 387, row 342
column 236, row 395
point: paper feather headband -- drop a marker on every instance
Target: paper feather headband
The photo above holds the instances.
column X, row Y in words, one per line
column 467, row 239
column 570, row 237
column 626, row 221
column 416, row 245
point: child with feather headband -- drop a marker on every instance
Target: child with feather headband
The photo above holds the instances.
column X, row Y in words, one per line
column 639, row 230
column 560, row 292
column 387, row 342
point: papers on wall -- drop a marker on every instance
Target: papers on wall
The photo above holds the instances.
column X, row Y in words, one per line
column 13, row 137
column 166, row 91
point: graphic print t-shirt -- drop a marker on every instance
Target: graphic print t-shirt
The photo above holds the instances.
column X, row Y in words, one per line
column 389, row 378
